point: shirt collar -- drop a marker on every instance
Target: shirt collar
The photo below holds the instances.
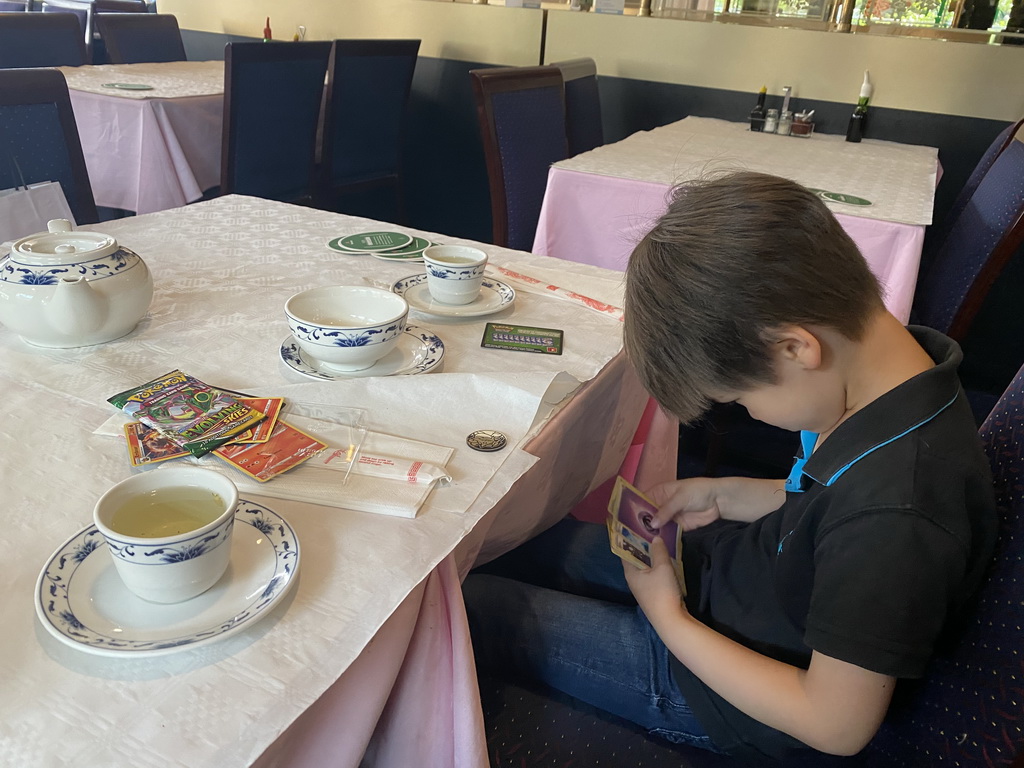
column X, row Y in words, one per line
column 894, row 414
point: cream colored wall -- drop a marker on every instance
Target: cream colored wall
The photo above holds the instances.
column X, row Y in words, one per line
column 916, row 74
column 477, row 33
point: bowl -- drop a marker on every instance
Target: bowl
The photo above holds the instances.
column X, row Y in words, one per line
column 346, row 327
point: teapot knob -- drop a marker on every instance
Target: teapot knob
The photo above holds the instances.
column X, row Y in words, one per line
column 65, row 248
column 58, row 225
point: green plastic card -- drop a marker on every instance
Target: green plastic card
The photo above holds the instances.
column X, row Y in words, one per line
column 522, row 338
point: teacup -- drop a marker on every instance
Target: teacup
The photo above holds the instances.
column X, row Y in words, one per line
column 454, row 272
column 346, row 327
column 169, row 531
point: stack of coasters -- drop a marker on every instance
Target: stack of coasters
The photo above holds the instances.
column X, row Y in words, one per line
column 387, row 246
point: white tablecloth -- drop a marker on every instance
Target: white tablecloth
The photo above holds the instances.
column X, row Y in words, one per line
column 600, row 203
column 223, row 270
column 148, row 151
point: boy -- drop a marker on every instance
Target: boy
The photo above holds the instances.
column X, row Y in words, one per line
column 807, row 598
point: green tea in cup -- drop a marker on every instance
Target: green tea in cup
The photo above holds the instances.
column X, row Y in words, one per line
column 167, row 512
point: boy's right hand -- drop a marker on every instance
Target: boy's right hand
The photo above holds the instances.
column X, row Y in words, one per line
column 691, row 502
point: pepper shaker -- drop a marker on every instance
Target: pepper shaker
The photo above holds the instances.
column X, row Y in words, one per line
column 771, row 121
column 785, row 123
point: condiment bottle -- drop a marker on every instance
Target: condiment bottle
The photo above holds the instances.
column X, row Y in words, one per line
column 855, row 130
column 785, row 123
column 757, row 113
column 771, row 121
column 267, row 34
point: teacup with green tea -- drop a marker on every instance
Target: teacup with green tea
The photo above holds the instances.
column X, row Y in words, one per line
column 169, row 531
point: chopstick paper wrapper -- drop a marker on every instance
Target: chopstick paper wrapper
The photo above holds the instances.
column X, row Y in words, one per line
column 563, row 293
column 387, row 467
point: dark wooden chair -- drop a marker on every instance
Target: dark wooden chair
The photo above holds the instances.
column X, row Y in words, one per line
column 521, row 111
column 132, row 38
column 39, row 137
column 582, row 104
column 272, row 98
column 41, row 40
column 364, row 118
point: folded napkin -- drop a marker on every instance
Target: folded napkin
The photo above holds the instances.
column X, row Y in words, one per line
column 356, row 490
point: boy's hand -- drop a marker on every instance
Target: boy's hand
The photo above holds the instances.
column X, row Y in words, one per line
column 691, row 502
column 655, row 588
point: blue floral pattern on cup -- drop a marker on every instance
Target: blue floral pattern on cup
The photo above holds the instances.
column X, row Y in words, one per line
column 455, row 273
column 338, row 338
column 13, row 271
column 160, row 553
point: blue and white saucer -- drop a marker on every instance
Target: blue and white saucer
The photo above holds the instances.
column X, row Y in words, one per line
column 417, row 351
column 82, row 601
column 494, row 297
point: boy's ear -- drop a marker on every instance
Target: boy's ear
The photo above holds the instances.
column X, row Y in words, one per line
column 797, row 344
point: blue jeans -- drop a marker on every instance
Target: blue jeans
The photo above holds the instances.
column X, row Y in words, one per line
column 558, row 610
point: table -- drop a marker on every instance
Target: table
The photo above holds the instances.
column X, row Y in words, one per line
column 600, row 203
column 368, row 660
column 149, row 150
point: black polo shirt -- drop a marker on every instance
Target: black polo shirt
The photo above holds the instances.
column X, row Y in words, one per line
column 887, row 537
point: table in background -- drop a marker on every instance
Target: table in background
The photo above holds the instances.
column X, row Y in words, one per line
column 600, row 203
column 149, row 150
column 368, row 660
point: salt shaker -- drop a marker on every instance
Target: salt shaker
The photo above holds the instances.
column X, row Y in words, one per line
column 785, row 123
column 771, row 121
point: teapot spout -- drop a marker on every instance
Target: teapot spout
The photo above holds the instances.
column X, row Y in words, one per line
column 76, row 308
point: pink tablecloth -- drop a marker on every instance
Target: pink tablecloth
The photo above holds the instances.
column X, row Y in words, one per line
column 411, row 698
column 148, row 155
column 596, row 219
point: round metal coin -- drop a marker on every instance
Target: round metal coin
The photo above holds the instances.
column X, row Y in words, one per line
column 486, row 440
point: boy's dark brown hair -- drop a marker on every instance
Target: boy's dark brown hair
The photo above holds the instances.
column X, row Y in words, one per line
column 734, row 258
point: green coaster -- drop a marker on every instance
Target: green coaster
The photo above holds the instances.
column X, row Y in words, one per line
column 370, row 242
column 839, row 197
column 129, row 86
column 413, row 250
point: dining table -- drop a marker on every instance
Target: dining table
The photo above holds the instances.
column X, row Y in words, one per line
column 356, row 651
column 599, row 204
column 150, row 132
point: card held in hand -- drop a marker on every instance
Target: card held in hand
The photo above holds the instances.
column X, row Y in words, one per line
column 631, row 529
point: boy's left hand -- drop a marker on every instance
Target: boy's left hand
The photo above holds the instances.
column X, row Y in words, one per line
column 656, row 588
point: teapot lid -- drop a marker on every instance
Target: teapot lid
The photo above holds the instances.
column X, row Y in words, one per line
column 60, row 245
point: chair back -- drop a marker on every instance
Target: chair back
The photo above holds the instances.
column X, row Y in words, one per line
column 582, row 104
column 969, row 710
column 82, row 9
column 272, row 97
column 133, row 38
column 13, row 6
column 999, row 143
column 41, row 40
column 364, row 115
column 522, row 123
column 980, row 243
column 39, row 137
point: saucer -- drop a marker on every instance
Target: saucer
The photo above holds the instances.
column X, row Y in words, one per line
column 494, row 297
column 418, row 351
column 82, row 601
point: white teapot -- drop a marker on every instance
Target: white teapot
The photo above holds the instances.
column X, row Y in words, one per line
column 65, row 288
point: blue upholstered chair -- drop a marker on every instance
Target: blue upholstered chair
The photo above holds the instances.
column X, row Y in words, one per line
column 39, row 137
column 272, row 97
column 521, row 111
column 41, row 40
column 985, row 235
column 582, row 104
column 970, row 710
column 364, row 118
column 132, row 38
column 13, row 6
column 82, row 10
